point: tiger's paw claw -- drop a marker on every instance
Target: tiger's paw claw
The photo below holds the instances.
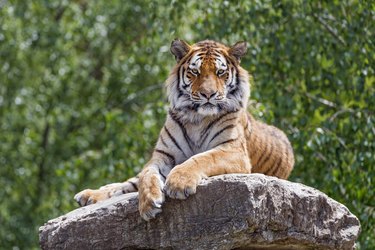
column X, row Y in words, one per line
column 89, row 196
column 151, row 198
column 149, row 207
column 181, row 184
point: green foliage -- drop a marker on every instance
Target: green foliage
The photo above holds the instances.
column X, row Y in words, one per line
column 82, row 100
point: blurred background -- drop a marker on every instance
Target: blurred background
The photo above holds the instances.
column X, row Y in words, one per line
column 82, row 95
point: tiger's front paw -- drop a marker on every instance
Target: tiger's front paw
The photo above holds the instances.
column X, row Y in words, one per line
column 151, row 197
column 181, row 183
column 89, row 196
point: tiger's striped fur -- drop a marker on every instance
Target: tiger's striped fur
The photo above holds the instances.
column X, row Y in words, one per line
column 207, row 131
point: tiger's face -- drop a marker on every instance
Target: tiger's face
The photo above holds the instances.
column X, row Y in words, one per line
column 208, row 79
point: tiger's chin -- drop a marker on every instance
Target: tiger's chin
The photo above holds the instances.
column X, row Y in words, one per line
column 208, row 110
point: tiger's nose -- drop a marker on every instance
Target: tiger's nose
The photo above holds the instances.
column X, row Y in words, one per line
column 208, row 94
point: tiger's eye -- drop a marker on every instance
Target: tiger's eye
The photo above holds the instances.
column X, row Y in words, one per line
column 195, row 71
column 220, row 72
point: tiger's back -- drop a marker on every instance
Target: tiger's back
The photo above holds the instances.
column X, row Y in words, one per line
column 269, row 150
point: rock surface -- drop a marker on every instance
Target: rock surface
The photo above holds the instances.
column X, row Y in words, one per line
column 227, row 212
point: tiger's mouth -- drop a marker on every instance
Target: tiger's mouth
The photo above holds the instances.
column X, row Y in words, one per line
column 208, row 108
column 208, row 105
column 211, row 106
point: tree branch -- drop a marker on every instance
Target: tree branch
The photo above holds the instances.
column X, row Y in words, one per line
column 331, row 30
column 321, row 100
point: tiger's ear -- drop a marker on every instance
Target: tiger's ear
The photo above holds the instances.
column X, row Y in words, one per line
column 238, row 50
column 179, row 49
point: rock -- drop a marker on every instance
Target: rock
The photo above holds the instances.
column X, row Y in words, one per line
column 229, row 211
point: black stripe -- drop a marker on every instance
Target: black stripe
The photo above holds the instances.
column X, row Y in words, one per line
column 231, row 81
column 217, row 53
column 221, row 131
column 226, row 77
column 184, row 84
column 231, row 61
column 262, row 156
column 227, row 120
column 218, row 58
column 180, row 93
column 174, row 140
column 195, row 107
column 267, row 158
column 184, row 132
column 227, row 141
column 198, row 58
column 207, row 130
column 170, row 157
column 163, row 142
column 234, row 90
column 162, row 174
column 186, row 58
column 220, row 107
column 237, row 76
column 204, row 133
column 134, row 185
column 211, row 124
column 200, row 54
column 276, row 167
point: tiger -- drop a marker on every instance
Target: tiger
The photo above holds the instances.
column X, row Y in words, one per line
column 208, row 131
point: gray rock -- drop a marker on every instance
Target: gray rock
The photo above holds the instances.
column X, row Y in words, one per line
column 229, row 211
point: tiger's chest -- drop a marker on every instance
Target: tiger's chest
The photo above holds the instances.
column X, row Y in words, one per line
column 197, row 136
column 197, row 139
column 189, row 139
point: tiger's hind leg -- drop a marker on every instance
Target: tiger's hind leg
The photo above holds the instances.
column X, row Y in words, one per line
column 90, row 196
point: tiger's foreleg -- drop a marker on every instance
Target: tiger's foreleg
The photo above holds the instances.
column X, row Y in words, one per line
column 90, row 196
column 151, row 184
column 228, row 158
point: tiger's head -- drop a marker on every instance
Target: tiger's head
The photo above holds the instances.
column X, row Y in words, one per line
column 207, row 80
